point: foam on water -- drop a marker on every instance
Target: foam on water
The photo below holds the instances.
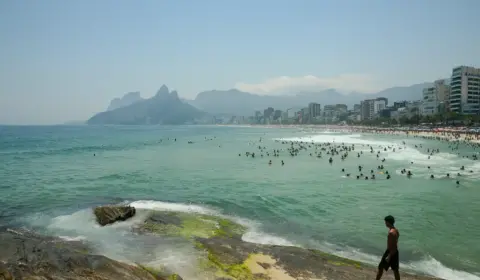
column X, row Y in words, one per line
column 253, row 234
column 334, row 138
column 428, row 265
column 117, row 239
column 441, row 163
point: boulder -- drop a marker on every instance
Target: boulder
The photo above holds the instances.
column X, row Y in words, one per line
column 26, row 255
column 110, row 214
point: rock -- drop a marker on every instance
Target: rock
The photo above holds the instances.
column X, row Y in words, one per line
column 233, row 258
column 26, row 255
column 112, row 213
column 190, row 225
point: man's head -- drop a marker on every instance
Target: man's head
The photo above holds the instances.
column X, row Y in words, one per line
column 389, row 221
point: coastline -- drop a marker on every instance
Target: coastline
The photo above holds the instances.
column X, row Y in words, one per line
column 221, row 253
column 449, row 134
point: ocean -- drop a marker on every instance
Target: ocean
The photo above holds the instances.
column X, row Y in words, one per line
column 51, row 177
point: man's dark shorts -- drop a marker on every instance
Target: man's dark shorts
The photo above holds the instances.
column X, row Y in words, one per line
column 392, row 263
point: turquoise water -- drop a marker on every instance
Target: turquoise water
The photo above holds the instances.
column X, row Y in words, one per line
column 50, row 176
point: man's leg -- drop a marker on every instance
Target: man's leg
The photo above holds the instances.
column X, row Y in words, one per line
column 396, row 274
column 380, row 273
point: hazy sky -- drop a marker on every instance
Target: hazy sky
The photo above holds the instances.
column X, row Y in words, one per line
column 65, row 60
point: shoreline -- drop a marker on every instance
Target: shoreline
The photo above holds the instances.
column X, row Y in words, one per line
column 222, row 254
column 448, row 134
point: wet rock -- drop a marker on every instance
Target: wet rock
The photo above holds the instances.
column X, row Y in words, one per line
column 242, row 260
column 25, row 255
column 190, row 225
column 165, row 218
column 112, row 213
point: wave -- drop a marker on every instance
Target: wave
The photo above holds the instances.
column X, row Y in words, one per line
column 427, row 265
column 116, row 240
column 334, row 138
column 253, row 234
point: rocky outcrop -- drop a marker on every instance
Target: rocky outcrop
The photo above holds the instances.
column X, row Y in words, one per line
column 234, row 258
column 227, row 256
column 25, row 255
column 112, row 213
column 221, row 251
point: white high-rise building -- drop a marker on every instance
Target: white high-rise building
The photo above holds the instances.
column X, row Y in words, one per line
column 465, row 90
column 434, row 96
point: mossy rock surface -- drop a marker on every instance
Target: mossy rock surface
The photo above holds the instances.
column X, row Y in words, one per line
column 235, row 259
column 160, row 273
column 191, row 225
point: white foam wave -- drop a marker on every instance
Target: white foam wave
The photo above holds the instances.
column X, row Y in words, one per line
column 433, row 267
column 254, row 234
column 114, row 242
column 333, row 138
column 73, row 238
column 429, row 265
column 173, row 207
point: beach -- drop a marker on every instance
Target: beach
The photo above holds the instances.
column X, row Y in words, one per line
column 52, row 177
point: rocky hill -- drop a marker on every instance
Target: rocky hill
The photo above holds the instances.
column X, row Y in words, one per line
column 163, row 108
column 126, row 100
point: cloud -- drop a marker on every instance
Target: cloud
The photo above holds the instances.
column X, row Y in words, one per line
column 345, row 83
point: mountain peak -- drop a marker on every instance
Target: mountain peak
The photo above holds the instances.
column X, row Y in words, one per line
column 126, row 100
column 163, row 108
column 174, row 94
column 163, row 91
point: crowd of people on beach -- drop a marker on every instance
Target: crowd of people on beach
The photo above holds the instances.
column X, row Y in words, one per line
column 341, row 151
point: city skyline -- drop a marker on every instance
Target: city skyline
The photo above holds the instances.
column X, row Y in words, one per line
column 66, row 60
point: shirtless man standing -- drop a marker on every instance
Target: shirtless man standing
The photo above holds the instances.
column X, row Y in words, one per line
column 390, row 257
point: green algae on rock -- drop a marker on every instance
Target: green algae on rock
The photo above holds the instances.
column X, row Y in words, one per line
column 237, row 259
column 190, row 225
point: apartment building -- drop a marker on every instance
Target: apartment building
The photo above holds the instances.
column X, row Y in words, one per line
column 435, row 96
column 314, row 110
column 465, row 90
column 370, row 108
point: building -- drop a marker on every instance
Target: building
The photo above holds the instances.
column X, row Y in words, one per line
column 366, row 109
column 370, row 108
column 328, row 111
column 383, row 100
column 341, row 108
column 277, row 114
column 268, row 113
column 379, row 105
column 305, row 115
column 401, row 104
column 434, row 96
column 465, row 90
column 315, row 110
column 357, row 108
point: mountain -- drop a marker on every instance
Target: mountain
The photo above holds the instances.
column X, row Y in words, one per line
column 163, row 108
column 75, row 123
column 413, row 92
column 126, row 100
column 236, row 102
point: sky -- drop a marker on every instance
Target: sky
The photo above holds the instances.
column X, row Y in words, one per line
column 65, row 60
